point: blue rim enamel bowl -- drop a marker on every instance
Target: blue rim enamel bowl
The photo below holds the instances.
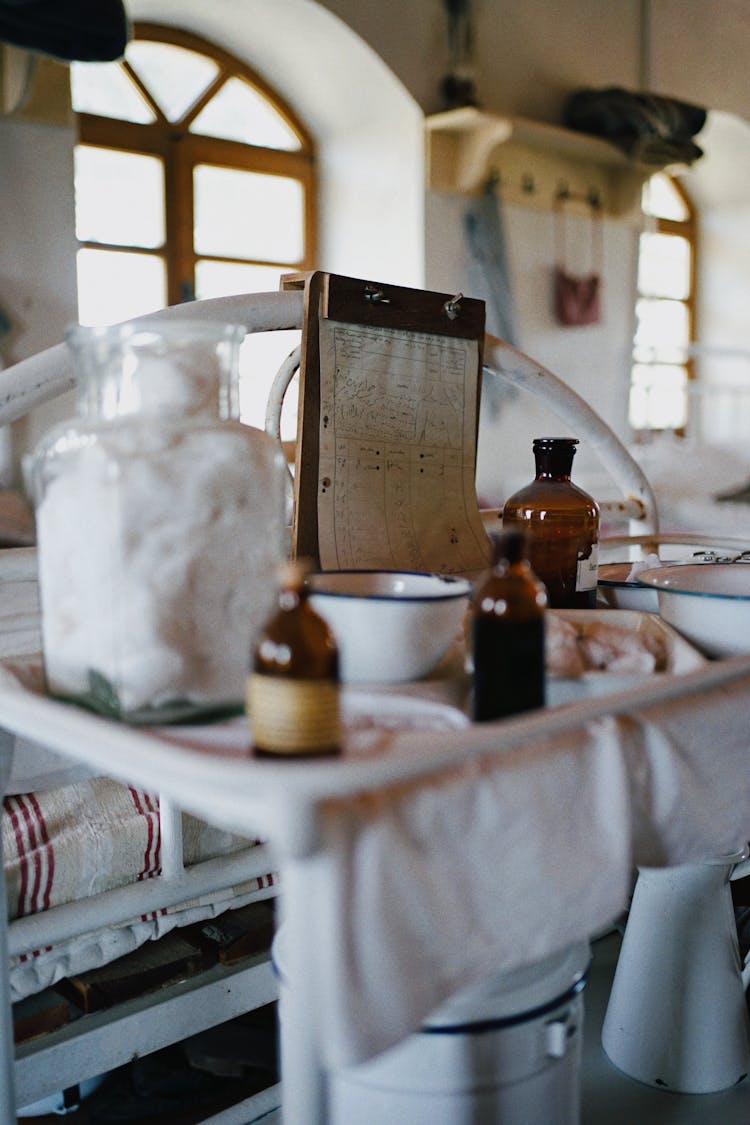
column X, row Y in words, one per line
column 709, row 603
column 391, row 626
column 618, row 591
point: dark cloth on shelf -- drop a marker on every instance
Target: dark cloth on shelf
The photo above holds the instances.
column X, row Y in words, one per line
column 650, row 129
column 740, row 495
column 70, row 30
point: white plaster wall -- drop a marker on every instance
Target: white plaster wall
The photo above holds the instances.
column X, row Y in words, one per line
column 528, row 56
column 719, row 184
column 37, row 251
column 593, row 360
column 37, row 235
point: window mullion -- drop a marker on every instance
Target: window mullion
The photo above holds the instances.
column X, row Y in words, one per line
column 232, row 154
column 129, row 136
column 211, row 90
column 180, row 222
column 143, row 90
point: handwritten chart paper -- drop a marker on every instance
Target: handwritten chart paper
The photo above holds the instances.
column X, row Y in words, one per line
column 398, row 414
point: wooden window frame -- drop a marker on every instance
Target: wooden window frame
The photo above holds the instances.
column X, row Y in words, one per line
column 181, row 151
column 687, row 229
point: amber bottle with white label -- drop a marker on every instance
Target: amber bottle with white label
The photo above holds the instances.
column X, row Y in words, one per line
column 293, row 686
column 562, row 522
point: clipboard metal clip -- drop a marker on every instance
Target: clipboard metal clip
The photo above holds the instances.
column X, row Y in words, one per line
column 376, row 296
column 452, row 307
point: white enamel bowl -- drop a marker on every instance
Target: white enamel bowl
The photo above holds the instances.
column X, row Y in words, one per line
column 709, row 603
column 618, row 591
column 391, row 626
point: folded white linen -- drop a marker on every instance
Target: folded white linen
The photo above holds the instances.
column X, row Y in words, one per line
column 492, row 865
column 30, row 973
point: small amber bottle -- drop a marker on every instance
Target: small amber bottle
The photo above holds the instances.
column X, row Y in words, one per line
column 563, row 526
column 293, row 686
column 507, row 634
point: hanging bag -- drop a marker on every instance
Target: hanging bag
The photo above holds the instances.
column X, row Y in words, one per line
column 577, row 299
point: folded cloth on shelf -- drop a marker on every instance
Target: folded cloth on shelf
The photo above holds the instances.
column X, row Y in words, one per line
column 65, row 845
column 649, row 128
column 69, row 843
column 30, row 973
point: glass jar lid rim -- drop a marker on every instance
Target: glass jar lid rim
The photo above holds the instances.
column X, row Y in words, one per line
column 129, row 330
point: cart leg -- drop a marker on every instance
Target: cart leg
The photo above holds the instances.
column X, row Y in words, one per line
column 303, row 1087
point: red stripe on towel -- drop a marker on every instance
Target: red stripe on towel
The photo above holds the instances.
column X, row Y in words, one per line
column 141, row 812
column 48, row 851
column 23, row 863
column 153, row 805
column 141, row 800
column 33, row 850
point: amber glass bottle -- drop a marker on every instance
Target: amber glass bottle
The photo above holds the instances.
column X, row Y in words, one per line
column 563, row 526
column 293, row 687
column 507, row 633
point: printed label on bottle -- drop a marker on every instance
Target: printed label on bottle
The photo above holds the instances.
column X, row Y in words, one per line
column 291, row 716
column 587, row 573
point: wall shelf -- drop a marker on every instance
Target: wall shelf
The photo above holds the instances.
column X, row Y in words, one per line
column 531, row 160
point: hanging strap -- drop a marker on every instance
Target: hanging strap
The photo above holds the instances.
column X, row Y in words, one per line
column 561, row 233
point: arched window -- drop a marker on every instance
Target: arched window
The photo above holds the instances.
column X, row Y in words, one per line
column 665, row 315
column 192, row 179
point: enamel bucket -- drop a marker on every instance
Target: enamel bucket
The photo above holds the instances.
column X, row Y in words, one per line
column 505, row 1050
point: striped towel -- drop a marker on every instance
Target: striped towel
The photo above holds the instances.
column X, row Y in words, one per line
column 69, row 843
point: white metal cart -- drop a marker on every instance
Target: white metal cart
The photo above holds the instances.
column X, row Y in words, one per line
column 596, row 755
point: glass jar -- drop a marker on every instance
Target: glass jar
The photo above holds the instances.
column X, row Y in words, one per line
column 562, row 522
column 160, row 522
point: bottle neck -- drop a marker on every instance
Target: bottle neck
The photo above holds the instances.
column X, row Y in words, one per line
column 292, row 589
column 290, row 597
column 553, row 464
column 509, row 550
column 506, row 566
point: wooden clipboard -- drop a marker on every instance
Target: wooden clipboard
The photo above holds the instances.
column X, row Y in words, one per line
column 388, row 375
